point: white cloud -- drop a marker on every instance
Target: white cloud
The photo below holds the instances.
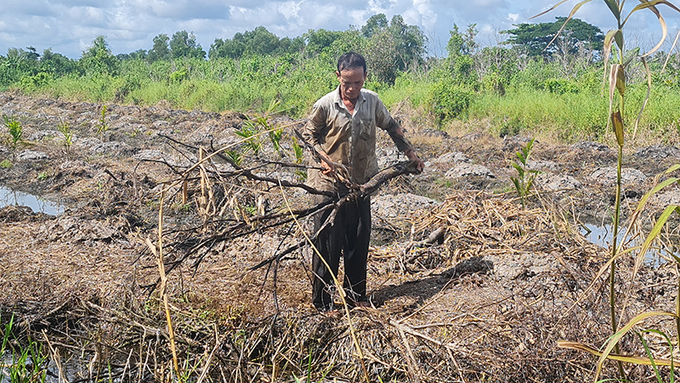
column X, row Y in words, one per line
column 421, row 14
column 69, row 26
column 290, row 9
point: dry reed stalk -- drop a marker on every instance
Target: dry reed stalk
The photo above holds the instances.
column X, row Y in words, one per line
column 157, row 250
column 55, row 357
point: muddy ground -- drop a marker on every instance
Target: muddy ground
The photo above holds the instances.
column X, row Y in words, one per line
column 485, row 301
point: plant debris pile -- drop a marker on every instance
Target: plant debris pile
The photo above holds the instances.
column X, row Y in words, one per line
column 470, row 288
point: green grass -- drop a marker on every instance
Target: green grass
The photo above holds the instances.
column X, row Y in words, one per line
column 575, row 110
column 571, row 116
column 28, row 363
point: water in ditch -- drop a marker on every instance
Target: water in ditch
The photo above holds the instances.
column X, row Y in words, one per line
column 603, row 234
column 9, row 197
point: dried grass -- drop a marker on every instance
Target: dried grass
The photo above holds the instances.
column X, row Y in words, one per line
column 434, row 321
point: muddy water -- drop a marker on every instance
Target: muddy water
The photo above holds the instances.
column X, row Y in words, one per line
column 10, row 197
column 602, row 235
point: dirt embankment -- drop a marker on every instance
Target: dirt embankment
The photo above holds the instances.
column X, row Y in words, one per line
column 487, row 299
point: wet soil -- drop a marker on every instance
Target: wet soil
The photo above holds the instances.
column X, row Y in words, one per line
column 501, row 278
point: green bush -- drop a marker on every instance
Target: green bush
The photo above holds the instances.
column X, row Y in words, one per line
column 449, row 100
column 30, row 83
column 560, row 86
column 179, row 75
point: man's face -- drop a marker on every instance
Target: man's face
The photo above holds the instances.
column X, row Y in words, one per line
column 351, row 81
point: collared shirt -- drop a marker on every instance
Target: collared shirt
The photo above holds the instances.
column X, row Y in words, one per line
column 349, row 139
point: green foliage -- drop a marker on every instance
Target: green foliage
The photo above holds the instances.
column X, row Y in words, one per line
column 298, row 151
column 496, row 66
column 461, row 44
column 65, row 129
column 234, row 156
column 179, row 75
column 29, row 364
column 648, row 352
column 102, row 125
column 183, row 44
column 57, row 64
column 560, row 86
column 256, row 42
column 319, row 40
column 160, row 49
column 36, row 81
column 98, row 59
column 15, row 130
column 536, row 37
column 526, row 109
column 449, row 100
column 525, row 177
column 249, row 132
column 5, row 164
column 392, row 47
column 495, row 82
column 16, row 64
column 275, row 136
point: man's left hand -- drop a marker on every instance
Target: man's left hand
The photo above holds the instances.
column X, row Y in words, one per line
column 411, row 154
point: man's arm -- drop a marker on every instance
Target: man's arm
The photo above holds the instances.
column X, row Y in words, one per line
column 397, row 134
column 313, row 132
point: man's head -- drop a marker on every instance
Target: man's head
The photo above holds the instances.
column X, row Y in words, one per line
column 351, row 75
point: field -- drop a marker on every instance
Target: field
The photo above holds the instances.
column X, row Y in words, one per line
column 487, row 298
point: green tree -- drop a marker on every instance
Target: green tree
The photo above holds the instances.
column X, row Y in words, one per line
column 374, row 24
column 139, row 54
column 410, row 42
column 536, row 37
column 17, row 64
column 256, row 42
column 160, row 50
column 320, row 39
column 56, row 63
column 496, row 66
column 232, row 48
column 291, row 46
column 382, row 56
column 98, row 59
column 183, row 44
column 462, row 43
column 260, row 42
column 393, row 46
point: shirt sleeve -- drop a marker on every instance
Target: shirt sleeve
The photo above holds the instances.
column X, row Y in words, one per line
column 391, row 126
column 315, row 129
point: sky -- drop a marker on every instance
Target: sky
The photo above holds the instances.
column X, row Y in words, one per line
column 70, row 26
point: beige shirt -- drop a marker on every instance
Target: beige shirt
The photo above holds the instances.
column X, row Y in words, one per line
column 349, row 139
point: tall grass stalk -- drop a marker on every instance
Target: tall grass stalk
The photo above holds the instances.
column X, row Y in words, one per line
column 617, row 88
column 157, row 250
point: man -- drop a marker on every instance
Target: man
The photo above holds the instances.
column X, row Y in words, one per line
column 342, row 129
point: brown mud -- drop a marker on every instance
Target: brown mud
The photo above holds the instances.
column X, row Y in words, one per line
column 487, row 300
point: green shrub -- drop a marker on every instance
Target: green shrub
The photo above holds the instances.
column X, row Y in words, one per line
column 560, row 86
column 179, row 75
column 449, row 100
column 30, row 83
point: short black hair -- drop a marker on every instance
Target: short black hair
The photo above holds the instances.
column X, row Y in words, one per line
column 351, row 60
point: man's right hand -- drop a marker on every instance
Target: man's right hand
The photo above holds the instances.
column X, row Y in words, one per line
column 328, row 168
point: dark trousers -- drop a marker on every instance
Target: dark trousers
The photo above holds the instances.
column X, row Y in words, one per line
column 348, row 235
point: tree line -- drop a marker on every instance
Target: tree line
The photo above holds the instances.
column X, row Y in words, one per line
column 392, row 46
column 254, row 68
